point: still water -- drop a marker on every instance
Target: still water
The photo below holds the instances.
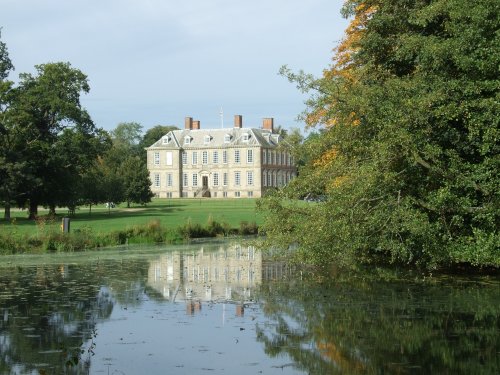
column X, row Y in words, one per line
column 225, row 308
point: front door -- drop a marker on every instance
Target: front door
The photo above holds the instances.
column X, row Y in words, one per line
column 205, row 182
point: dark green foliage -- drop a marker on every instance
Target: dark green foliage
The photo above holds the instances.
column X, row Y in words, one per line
column 409, row 160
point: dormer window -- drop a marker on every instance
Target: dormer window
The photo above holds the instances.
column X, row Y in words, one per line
column 207, row 139
column 245, row 137
column 227, row 138
column 166, row 140
column 187, row 140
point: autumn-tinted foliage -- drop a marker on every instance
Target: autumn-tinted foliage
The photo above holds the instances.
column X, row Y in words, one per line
column 409, row 154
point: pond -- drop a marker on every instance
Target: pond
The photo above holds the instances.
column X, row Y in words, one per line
column 226, row 308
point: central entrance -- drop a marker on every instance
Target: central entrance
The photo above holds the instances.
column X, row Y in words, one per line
column 205, row 192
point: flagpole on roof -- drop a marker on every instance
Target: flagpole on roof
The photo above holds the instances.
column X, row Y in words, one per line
column 221, row 118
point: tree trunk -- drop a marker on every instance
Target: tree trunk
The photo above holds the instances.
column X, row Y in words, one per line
column 52, row 210
column 128, row 204
column 6, row 215
column 90, row 209
column 33, row 213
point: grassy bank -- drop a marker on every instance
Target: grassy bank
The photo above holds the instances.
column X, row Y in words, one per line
column 161, row 221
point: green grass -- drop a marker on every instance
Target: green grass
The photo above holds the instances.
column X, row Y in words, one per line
column 171, row 213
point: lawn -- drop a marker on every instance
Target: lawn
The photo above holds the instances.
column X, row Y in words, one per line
column 170, row 212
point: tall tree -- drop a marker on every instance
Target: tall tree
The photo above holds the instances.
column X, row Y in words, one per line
column 7, row 169
column 409, row 156
column 45, row 115
column 136, row 181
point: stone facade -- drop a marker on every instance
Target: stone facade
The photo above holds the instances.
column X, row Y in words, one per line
column 218, row 163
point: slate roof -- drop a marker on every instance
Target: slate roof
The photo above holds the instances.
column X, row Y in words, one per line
column 177, row 138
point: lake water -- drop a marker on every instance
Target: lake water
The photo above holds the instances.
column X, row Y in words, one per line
column 225, row 308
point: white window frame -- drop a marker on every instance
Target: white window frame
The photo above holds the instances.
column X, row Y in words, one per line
column 194, row 158
column 224, row 157
column 225, row 179
column 184, row 156
column 184, row 179
column 249, row 178
column 195, row 179
column 249, row 156
column 227, row 138
column 215, row 157
column 156, row 158
column 204, row 157
column 215, row 179
column 237, row 156
column 170, row 180
column 157, row 180
column 169, row 160
column 207, row 139
column 187, row 140
column 237, row 178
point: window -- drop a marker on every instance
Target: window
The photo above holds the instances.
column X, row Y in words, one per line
column 249, row 156
column 268, row 156
column 225, row 179
column 224, row 194
column 185, row 179
column 157, row 180
column 249, row 178
column 250, row 194
column 194, row 158
column 187, row 140
column 207, row 139
column 269, row 179
column 205, row 157
column 195, row 179
column 264, row 180
column 184, row 158
column 157, row 158
column 169, row 158
column 237, row 194
column 237, row 178
column 169, row 179
column 278, row 158
column 227, row 138
column 236, row 156
column 215, row 157
column 166, row 140
column 264, row 157
column 169, row 194
column 245, row 137
column 224, row 156
column 216, row 179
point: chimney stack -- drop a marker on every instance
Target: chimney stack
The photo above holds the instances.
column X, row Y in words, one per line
column 188, row 123
column 268, row 124
column 238, row 121
column 196, row 124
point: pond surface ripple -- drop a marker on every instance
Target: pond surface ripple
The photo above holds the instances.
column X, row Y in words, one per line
column 224, row 308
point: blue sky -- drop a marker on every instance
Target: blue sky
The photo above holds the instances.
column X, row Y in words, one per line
column 158, row 61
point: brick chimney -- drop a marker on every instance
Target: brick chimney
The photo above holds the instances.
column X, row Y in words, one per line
column 196, row 124
column 238, row 121
column 188, row 123
column 268, row 124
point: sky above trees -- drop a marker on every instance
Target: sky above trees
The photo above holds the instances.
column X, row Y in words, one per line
column 156, row 61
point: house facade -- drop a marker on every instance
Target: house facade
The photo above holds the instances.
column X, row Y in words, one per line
column 219, row 163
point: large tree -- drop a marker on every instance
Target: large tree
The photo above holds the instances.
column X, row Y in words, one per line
column 56, row 135
column 409, row 157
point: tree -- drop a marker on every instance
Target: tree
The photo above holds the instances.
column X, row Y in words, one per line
column 47, row 119
column 409, row 155
column 136, row 181
column 8, row 169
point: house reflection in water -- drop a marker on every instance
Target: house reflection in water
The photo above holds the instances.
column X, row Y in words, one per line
column 227, row 272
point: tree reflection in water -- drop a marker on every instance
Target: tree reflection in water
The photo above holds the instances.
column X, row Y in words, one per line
column 363, row 325
column 49, row 315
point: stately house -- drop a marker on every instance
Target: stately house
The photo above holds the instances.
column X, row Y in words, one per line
column 219, row 163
